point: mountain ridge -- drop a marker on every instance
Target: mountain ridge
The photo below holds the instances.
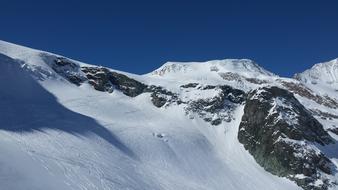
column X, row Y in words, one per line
column 9, row 48
column 326, row 72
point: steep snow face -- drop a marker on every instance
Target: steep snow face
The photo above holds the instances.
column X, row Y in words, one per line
column 322, row 77
column 325, row 73
column 24, row 54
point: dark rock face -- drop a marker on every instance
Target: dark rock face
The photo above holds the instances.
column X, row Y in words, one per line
column 334, row 130
column 303, row 91
column 161, row 96
column 323, row 115
column 102, row 79
column 218, row 108
column 190, row 85
column 232, row 94
column 66, row 68
column 105, row 80
column 214, row 110
column 281, row 135
column 229, row 76
column 256, row 81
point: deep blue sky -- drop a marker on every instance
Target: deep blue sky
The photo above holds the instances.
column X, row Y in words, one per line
column 284, row 36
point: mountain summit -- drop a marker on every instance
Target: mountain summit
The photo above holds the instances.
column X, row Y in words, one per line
column 246, row 67
column 224, row 124
column 326, row 73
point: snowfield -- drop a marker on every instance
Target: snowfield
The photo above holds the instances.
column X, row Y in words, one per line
column 56, row 135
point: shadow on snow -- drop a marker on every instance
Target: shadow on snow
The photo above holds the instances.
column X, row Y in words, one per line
column 25, row 106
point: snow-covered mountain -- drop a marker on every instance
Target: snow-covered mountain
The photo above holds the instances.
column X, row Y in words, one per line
column 321, row 73
column 322, row 76
column 195, row 69
column 225, row 124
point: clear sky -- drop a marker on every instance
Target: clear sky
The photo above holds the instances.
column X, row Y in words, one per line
column 283, row 36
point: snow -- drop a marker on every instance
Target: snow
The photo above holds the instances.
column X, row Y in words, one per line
column 306, row 147
column 245, row 66
column 322, row 78
column 173, row 74
column 196, row 94
column 326, row 72
column 55, row 135
column 284, row 111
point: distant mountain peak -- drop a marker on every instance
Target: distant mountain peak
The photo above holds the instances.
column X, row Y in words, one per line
column 325, row 73
column 244, row 67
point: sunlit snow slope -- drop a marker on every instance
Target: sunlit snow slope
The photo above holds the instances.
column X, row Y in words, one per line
column 57, row 135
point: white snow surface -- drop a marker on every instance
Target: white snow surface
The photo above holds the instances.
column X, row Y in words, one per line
column 322, row 77
column 245, row 66
column 326, row 72
column 287, row 115
column 55, row 135
column 173, row 73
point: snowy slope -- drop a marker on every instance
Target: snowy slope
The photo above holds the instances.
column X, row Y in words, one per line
column 326, row 72
column 229, row 71
column 54, row 134
column 195, row 69
column 322, row 77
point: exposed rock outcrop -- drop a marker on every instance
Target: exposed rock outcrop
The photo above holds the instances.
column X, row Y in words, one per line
column 161, row 97
column 303, row 91
column 282, row 136
column 103, row 79
column 68, row 69
column 218, row 108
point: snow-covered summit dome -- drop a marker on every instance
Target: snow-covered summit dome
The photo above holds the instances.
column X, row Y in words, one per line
column 244, row 67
